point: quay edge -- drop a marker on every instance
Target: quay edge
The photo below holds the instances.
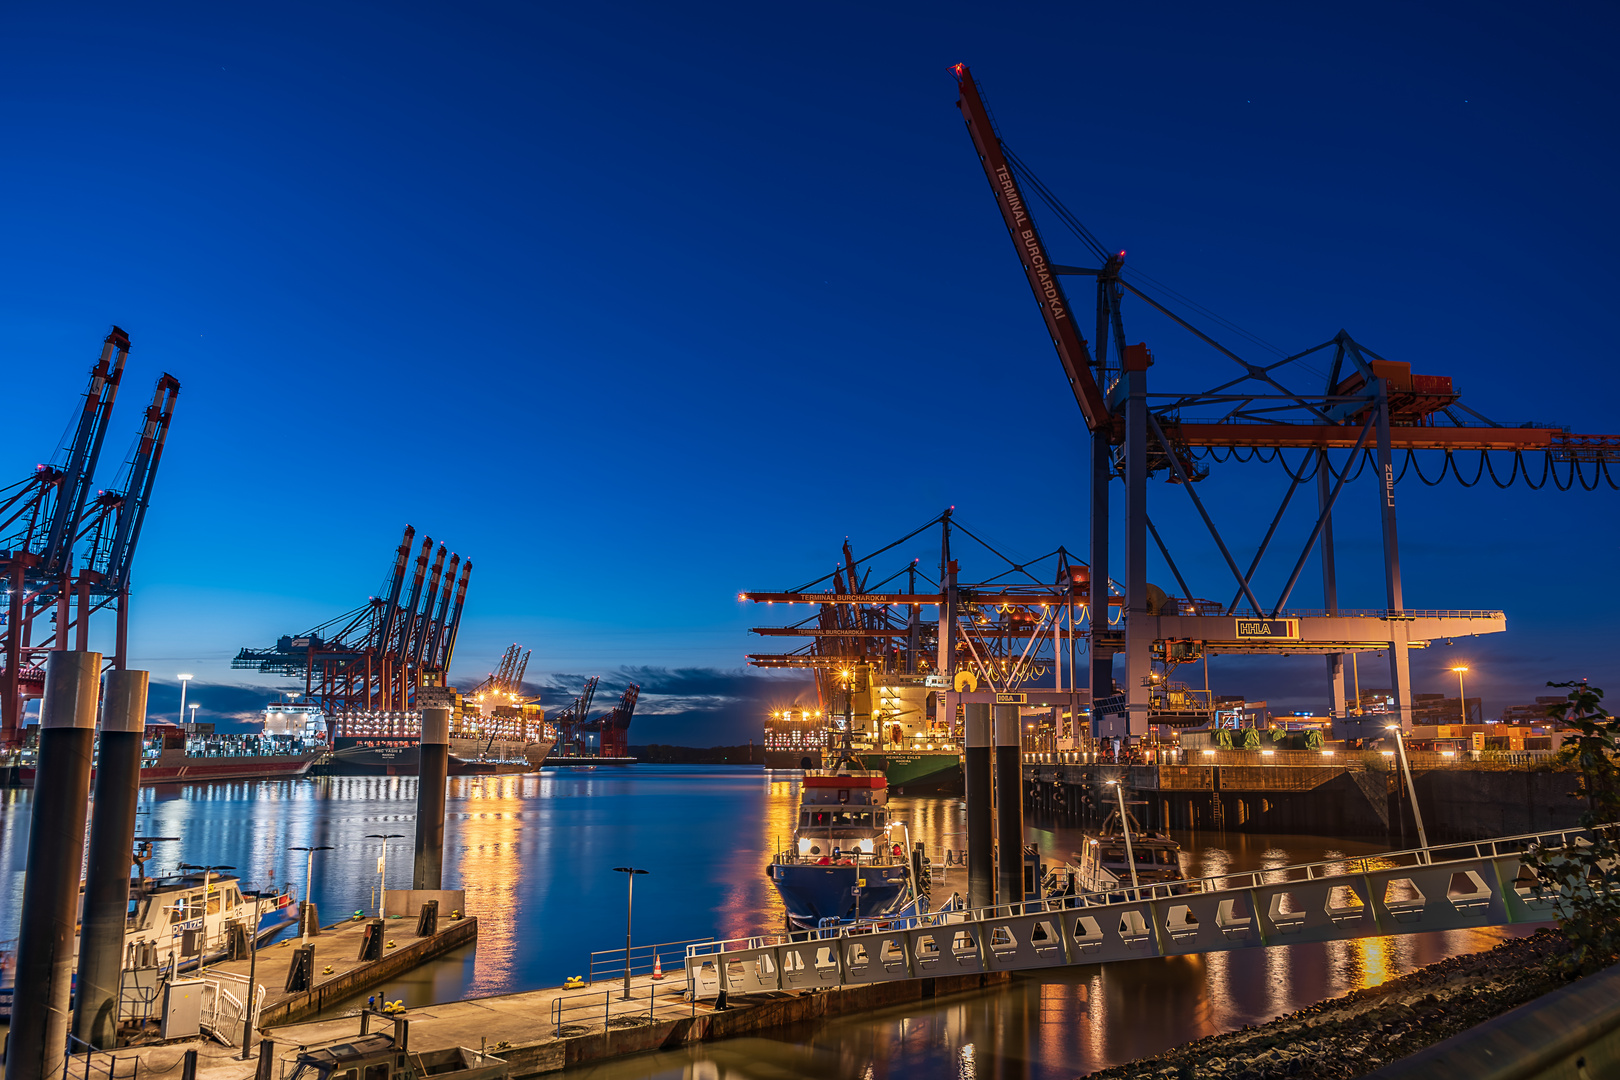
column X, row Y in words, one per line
column 1296, row 794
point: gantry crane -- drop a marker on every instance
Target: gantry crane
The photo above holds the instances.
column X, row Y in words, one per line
column 373, row 660
column 57, row 545
column 1374, row 407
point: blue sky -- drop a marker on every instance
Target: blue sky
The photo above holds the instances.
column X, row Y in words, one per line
column 639, row 305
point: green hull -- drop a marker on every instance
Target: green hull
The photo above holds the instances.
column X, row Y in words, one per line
column 937, row 773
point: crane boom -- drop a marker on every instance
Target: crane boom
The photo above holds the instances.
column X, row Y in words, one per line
column 79, row 472
column 1072, row 349
column 137, row 494
column 402, row 643
column 454, row 626
column 424, row 622
column 396, row 582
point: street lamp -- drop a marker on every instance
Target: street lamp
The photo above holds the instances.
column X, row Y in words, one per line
column 184, row 679
column 194, row 714
column 630, row 873
column 1462, row 701
column 1125, row 826
column 309, row 868
column 1406, row 767
column 202, row 957
column 382, row 870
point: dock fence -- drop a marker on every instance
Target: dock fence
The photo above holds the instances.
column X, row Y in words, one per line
column 85, row 1062
column 608, row 964
column 582, row 1013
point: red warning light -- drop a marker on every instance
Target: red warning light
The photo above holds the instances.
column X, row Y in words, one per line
column 959, row 69
column 1122, row 256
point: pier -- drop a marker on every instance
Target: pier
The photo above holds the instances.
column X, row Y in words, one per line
column 546, row 1031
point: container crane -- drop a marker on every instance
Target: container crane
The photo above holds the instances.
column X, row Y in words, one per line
column 375, row 658
column 1373, row 407
column 48, row 523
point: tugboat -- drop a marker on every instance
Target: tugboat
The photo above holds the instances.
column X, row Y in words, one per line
column 847, row 859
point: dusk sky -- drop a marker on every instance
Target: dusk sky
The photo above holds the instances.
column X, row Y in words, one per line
column 640, row 305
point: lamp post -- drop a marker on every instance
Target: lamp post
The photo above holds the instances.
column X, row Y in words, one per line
column 193, row 714
column 630, row 873
column 1125, row 827
column 1462, row 701
column 1417, row 815
column 309, row 869
column 184, row 679
column 202, row 957
column 382, row 870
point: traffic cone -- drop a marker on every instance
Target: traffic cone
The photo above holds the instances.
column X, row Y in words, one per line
column 658, row 966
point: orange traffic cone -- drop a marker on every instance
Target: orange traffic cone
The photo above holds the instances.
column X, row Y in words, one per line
column 658, row 966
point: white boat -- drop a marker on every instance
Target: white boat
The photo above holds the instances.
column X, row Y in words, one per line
column 1105, row 863
column 176, row 923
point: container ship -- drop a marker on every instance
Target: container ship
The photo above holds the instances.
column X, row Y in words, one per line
column 487, row 736
column 894, row 731
column 173, row 754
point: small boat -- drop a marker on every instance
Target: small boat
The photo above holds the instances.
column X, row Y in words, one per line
column 1104, row 865
column 176, row 923
column 847, row 859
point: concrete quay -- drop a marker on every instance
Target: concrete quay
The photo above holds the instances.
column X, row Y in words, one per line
column 1306, row 792
column 596, row 1024
column 338, row 947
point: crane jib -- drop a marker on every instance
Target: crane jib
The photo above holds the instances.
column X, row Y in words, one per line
column 1071, row 346
column 1030, row 242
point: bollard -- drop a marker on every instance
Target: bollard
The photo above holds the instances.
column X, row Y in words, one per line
column 371, row 941
column 267, row 1059
column 188, row 1071
column 300, row 971
column 427, row 920
column 1009, row 807
column 112, row 836
column 434, row 754
column 980, row 816
column 67, row 727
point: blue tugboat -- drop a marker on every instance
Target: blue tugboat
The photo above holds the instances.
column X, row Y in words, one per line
column 847, row 859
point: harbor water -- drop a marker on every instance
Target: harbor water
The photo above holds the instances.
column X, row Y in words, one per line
column 535, row 854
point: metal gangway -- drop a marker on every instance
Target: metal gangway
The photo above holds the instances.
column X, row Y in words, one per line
column 1441, row 887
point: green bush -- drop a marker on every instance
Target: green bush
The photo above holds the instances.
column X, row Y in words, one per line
column 1583, row 878
column 1251, row 739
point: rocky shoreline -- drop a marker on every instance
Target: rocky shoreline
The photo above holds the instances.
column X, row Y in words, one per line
column 1364, row 1030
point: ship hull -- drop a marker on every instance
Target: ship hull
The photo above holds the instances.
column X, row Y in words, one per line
column 174, row 768
column 793, row 759
column 812, row 892
column 402, row 757
column 918, row 773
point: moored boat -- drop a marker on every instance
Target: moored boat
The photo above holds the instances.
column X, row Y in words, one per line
column 1106, row 863
column 848, row 858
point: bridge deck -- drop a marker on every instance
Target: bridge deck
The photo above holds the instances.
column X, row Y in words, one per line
column 1448, row 887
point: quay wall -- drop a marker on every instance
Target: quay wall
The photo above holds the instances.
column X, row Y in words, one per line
column 1458, row 802
column 290, row 1008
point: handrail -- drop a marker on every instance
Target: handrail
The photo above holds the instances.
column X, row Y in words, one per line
column 1248, row 879
column 609, row 963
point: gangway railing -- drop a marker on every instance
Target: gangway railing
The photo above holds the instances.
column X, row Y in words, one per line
column 1441, row 887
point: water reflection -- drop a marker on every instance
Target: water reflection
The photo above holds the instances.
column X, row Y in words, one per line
column 535, row 855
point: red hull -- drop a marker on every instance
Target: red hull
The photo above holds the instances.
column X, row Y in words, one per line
column 194, row 770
